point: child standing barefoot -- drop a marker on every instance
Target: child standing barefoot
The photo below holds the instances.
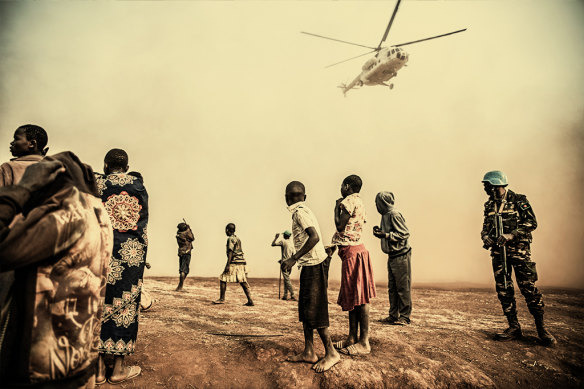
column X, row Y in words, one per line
column 312, row 299
column 357, row 284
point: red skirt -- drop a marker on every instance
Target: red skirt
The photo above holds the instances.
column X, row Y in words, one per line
column 357, row 284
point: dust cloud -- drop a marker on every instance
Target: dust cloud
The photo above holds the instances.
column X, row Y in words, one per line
column 221, row 104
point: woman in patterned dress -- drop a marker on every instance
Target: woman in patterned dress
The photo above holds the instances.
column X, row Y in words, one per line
column 126, row 202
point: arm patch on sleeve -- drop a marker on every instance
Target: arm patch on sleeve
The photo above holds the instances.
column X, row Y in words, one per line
column 524, row 206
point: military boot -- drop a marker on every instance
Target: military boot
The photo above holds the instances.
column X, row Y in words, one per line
column 547, row 339
column 511, row 333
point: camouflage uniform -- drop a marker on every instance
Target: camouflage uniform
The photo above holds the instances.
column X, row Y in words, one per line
column 518, row 220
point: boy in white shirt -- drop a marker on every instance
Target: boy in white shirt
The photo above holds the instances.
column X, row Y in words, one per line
column 312, row 298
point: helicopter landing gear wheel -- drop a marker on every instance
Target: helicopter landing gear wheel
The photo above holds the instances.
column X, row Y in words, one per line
column 390, row 86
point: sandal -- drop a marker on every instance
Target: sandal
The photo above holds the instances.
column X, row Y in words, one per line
column 133, row 373
column 352, row 351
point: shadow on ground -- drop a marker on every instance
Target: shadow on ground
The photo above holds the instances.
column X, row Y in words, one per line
column 448, row 345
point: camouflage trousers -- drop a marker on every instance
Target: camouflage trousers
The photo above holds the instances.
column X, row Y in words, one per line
column 518, row 260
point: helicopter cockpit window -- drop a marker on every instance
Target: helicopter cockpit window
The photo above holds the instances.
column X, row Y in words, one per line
column 392, row 51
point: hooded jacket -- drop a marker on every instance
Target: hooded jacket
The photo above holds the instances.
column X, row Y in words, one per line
column 393, row 225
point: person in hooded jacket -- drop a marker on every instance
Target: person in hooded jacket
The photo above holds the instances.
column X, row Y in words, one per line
column 394, row 235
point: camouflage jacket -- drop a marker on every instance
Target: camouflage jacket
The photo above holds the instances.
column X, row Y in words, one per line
column 518, row 218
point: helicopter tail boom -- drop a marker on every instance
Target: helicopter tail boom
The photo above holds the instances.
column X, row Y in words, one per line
column 355, row 83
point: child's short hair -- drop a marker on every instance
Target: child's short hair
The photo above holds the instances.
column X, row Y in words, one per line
column 230, row 227
column 354, row 182
column 182, row 226
column 116, row 159
column 36, row 133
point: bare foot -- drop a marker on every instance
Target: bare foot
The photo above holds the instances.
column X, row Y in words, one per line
column 303, row 357
column 100, row 376
column 249, row 304
column 127, row 373
column 327, row 362
column 100, row 379
column 220, row 301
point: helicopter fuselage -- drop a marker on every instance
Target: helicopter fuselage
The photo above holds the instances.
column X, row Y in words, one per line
column 380, row 69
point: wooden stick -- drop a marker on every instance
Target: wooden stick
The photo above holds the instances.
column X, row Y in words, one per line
column 243, row 335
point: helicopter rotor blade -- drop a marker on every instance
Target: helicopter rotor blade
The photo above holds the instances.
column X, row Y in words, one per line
column 427, row 39
column 361, row 55
column 337, row 40
column 389, row 25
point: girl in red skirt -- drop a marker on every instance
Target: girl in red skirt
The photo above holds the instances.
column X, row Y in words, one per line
column 357, row 284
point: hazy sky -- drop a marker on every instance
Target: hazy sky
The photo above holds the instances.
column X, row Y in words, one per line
column 221, row 104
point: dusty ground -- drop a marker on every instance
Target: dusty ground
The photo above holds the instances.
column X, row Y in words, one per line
column 448, row 345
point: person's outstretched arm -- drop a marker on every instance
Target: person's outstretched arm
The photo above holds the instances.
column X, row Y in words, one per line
column 275, row 239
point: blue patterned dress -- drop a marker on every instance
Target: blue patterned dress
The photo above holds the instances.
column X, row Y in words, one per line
column 126, row 202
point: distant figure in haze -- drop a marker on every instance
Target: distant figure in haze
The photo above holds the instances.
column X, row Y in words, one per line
column 312, row 299
column 28, row 147
column 126, row 201
column 510, row 250
column 235, row 269
column 184, row 238
column 394, row 236
column 357, row 284
column 287, row 247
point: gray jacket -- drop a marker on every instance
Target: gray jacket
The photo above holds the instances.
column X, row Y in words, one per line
column 393, row 225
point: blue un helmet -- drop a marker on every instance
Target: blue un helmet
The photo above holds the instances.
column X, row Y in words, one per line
column 496, row 178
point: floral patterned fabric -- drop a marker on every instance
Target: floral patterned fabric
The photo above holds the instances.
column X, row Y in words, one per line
column 126, row 202
column 351, row 235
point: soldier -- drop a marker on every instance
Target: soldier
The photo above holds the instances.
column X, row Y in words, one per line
column 510, row 251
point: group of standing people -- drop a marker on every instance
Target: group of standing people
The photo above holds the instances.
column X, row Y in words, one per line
column 72, row 255
column 77, row 289
column 357, row 281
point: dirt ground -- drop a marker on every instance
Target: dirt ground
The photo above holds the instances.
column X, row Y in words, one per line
column 448, row 345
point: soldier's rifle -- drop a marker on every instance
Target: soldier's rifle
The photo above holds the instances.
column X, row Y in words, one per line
column 498, row 233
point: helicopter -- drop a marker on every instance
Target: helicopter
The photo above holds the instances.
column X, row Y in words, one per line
column 387, row 61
